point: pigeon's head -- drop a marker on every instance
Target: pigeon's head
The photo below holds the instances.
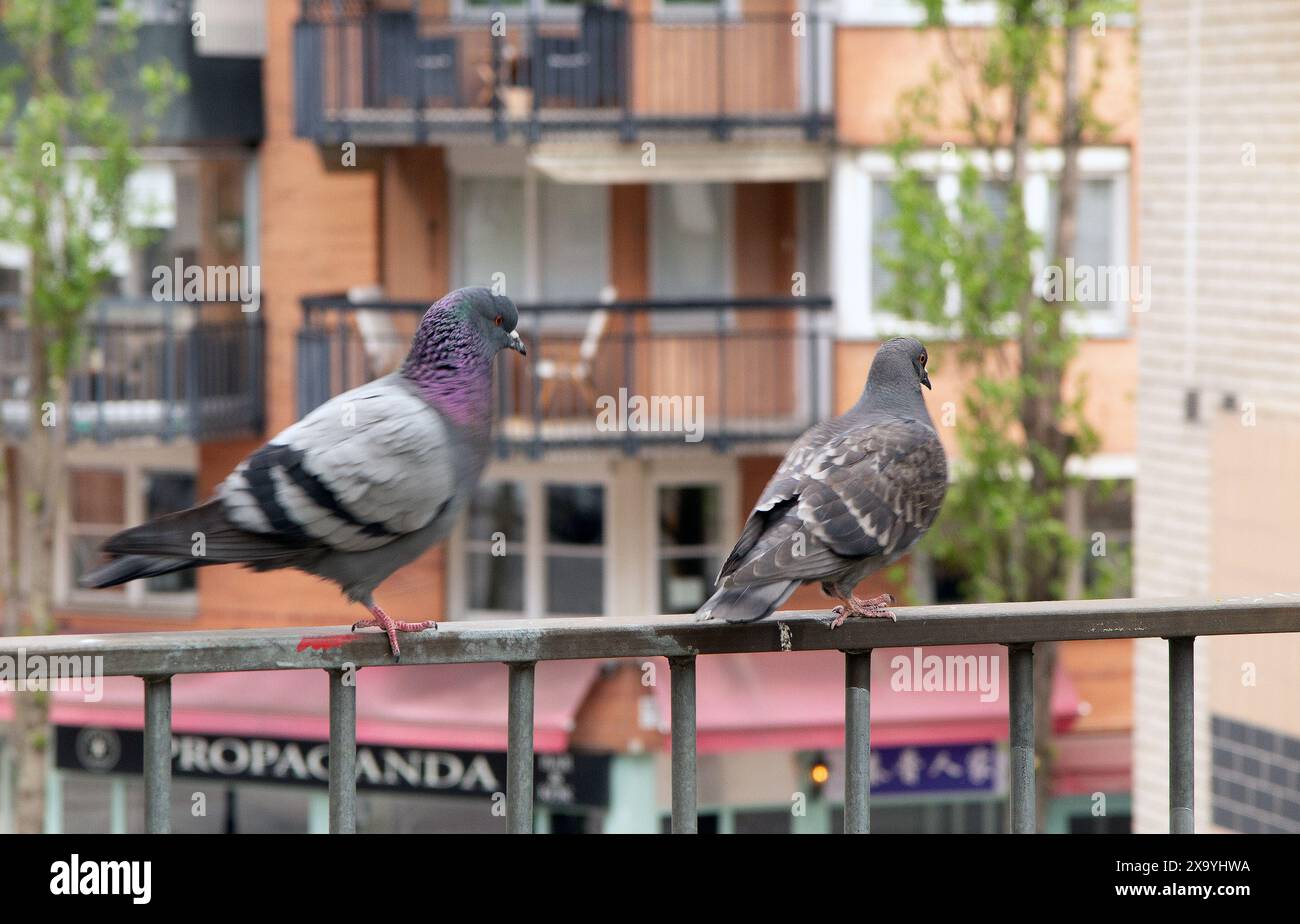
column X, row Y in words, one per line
column 900, row 364
column 494, row 317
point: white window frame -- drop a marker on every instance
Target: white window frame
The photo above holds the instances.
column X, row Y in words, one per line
column 463, row 9
column 697, row 10
column 857, row 317
column 132, row 462
column 534, row 479
column 676, row 473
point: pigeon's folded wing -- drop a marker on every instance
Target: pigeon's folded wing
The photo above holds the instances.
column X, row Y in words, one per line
column 367, row 467
column 868, row 492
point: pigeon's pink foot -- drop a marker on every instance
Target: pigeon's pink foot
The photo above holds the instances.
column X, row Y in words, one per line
column 871, row 608
column 383, row 621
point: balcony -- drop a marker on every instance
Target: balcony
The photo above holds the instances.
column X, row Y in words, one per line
column 521, row 644
column 716, row 372
column 148, row 369
column 223, row 103
column 393, row 77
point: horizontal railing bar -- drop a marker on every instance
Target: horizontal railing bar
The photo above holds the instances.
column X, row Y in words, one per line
column 667, row 636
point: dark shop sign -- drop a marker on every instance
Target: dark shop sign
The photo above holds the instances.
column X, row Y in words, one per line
column 559, row 779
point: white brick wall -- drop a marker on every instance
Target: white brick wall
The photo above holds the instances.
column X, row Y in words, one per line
column 1223, row 241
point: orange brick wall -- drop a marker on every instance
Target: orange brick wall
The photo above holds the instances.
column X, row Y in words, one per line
column 875, row 66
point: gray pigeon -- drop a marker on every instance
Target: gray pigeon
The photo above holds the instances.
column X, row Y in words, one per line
column 360, row 486
column 851, row 495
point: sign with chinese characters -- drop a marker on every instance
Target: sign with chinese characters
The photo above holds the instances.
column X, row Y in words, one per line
column 936, row 768
column 559, row 779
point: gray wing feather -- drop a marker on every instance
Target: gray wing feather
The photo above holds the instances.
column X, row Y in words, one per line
column 867, row 492
column 372, row 464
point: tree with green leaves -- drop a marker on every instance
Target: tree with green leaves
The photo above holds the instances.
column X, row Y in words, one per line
column 963, row 265
column 69, row 153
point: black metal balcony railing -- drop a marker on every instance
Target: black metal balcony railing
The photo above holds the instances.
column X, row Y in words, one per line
column 715, row 371
column 156, row 657
column 145, row 368
column 395, row 77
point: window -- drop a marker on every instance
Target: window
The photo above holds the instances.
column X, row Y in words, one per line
column 886, row 241
column 536, row 549
column 690, row 545
column 494, row 546
column 690, row 249
column 575, row 536
column 1108, row 538
column 1095, row 242
column 574, row 240
column 106, row 499
column 491, row 239
column 1101, row 243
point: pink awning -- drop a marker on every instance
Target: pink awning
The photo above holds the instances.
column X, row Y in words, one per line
column 455, row 706
column 796, row 701
column 1089, row 762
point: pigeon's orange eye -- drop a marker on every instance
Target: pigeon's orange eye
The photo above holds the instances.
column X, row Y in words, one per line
column 498, row 321
column 924, row 359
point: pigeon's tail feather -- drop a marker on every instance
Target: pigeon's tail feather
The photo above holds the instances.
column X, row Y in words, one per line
column 130, row 567
column 747, row 602
column 202, row 534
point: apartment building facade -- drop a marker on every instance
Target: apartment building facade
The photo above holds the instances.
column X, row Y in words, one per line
column 686, row 201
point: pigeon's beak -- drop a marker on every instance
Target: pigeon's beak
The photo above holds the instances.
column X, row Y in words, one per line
column 925, row 380
column 516, row 343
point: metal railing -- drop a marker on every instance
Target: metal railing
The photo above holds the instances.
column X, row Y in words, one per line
column 146, row 368
column 157, row 657
column 735, row 370
column 408, row 76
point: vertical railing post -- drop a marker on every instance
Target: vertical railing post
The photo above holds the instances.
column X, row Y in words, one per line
column 100, row 387
column 857, row 742
column 685, row 818
column 1182, row 819
column 1024, row 819
column 720, row 443
column 535, row 451
column 157, row 754
column 169, row 373
column 537, row 80
column 812, row 127
column 519, row 749
column 343, row 751
column 721, row 129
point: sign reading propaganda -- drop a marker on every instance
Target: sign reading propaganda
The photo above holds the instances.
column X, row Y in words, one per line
column 559, row 779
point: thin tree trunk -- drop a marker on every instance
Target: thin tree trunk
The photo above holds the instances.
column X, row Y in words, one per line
column 1043, row 408
column 42, row 479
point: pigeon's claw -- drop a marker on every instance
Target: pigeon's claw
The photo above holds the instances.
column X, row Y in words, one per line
column 382, row 620
column 870, row 608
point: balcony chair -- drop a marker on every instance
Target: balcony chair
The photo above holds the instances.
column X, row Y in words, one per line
column 574, row 373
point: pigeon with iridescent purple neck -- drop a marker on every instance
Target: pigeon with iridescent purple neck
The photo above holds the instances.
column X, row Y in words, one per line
column 363, row 484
